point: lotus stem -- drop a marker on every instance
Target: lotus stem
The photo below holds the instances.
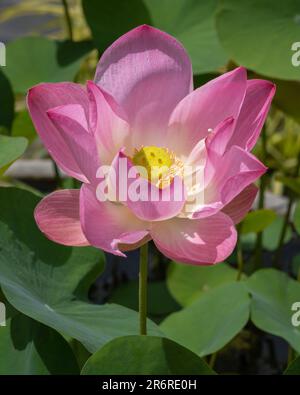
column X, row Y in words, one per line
column 143, row 276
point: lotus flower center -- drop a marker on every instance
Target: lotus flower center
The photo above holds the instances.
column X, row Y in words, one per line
column 161, row 164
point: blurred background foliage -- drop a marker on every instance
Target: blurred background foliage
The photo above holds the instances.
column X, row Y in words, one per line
column 236, row 315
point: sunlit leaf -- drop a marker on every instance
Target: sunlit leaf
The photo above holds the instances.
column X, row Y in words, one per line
column 193, row 24
column 273, row 296
column 186, row 282
column 259, row 34
column 32, row 60
column 212, row 320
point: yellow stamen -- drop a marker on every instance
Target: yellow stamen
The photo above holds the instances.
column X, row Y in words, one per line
column 161, row 164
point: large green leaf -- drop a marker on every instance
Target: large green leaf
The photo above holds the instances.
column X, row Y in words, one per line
column 191, row 22
column 257, row 221
column 273, row 295
column 259, row 34
column 212, row 320
column 31, row 60
column 108, row 20
column 10, row 149
column 293, row 368
column 7, row 102
column 144, row 355
column 28, row 347
column 186, row 282
column 49, row 282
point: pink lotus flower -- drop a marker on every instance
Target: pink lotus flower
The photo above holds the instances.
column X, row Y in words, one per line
column 142, row 100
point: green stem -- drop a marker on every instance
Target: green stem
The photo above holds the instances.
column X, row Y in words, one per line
column 143, row 288
column 261, row 202
column 68, row 19
column 58, row 181
column 286, row 221
column 240, row 259
column 213, row 359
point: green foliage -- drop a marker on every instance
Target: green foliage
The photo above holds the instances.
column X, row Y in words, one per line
column 272, row 234
column 32, row 60
column 259, row 34
column 49, row 282
column 273, row 295
column 294, row 368
column 28, row 347
column 187, row 283
column 144, row 355
column 296, row 219
column 257, row 221
column 23, row 126
column 212, row 320
column 160, row 302
column 7, row 102
column 10, row 149
column 190, row 21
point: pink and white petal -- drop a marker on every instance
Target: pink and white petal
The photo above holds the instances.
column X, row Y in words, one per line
column 43, row 97
column 241, row 204
column 242, row 169
column 81, row 143
column 108, row 225
column 147, row 201
column 205, row 108
column 147, row 72
column 204, row 241
column 218, row 140
column 253, row 113
column 57, row 216
column 233, row 172
column 110, row 131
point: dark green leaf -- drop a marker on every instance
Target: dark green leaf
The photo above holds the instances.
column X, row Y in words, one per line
column 108, row 20
column 294, row 368
column 30, row 348
column 146, row 355
column 7, row 103
column 160, row 302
